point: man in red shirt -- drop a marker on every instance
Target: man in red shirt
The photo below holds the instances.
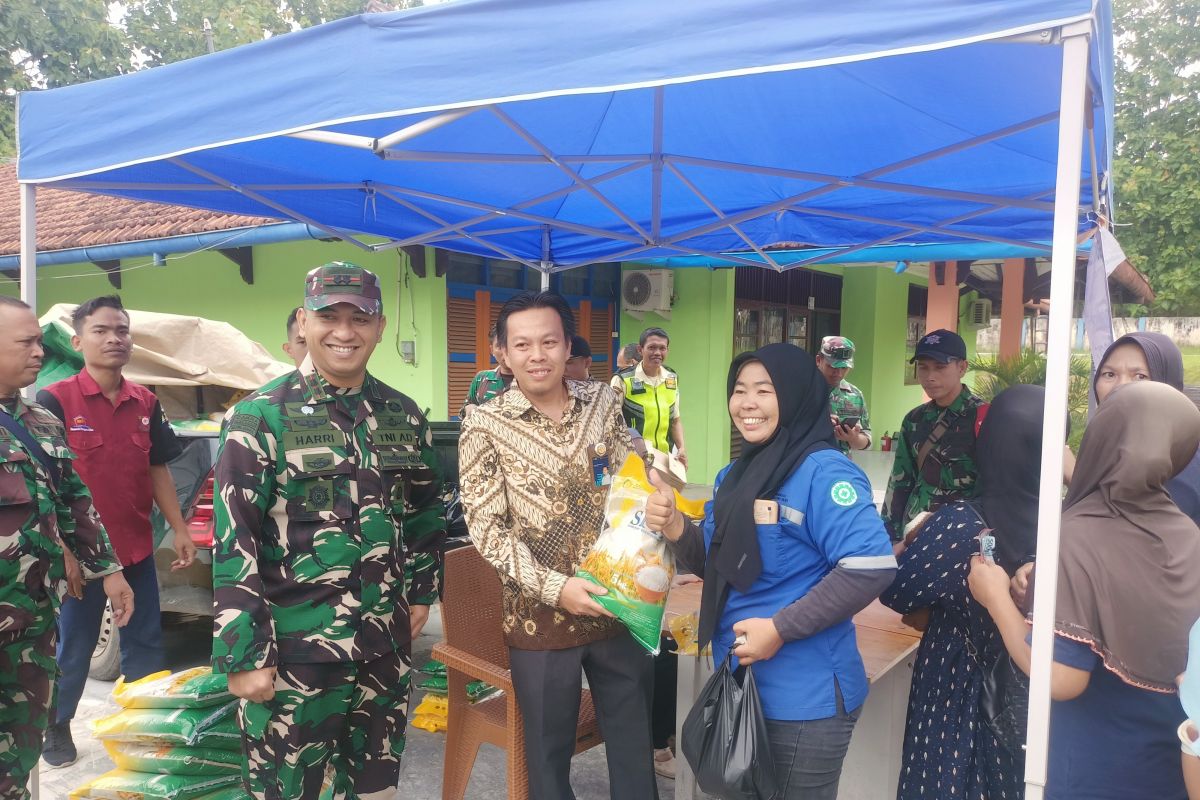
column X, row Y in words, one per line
column 122, row 443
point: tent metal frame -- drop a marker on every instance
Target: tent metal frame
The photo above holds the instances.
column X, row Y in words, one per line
column 1074, row 38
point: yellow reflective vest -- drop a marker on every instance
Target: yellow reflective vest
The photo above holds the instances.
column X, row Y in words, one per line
column 648, row 408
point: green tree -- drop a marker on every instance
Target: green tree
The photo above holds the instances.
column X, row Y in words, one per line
column 46, row 43
column 1157, row 163
column 994, row 374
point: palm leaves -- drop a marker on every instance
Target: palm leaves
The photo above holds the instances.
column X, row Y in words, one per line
column 994, row 374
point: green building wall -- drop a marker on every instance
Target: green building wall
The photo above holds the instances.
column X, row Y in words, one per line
column 208, row 285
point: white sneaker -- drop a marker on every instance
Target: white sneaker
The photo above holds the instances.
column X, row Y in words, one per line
column 664, row 763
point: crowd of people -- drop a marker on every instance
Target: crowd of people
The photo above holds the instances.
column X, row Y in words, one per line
column 329, row 525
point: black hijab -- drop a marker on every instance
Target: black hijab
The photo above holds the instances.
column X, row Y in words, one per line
column 804, row 427
column 1162, row 357
column 1009, row 454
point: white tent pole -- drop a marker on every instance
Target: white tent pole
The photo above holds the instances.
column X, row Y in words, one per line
column 28, row 274
column 1062, row 295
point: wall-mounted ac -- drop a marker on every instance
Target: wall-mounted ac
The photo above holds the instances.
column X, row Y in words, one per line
column 979, row 314
column 645, row 290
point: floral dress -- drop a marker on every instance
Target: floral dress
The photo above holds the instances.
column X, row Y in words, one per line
column 949, row 752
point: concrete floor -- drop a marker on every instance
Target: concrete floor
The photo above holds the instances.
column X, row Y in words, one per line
column 187, row 646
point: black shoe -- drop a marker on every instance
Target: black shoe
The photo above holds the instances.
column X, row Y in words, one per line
column 58, row 750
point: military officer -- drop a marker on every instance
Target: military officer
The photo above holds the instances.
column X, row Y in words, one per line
column 329, row 525
column 45, row 511
column 935, row 452
column 847, row 406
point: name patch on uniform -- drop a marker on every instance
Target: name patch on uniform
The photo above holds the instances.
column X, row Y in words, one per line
column 329, row 437
column 243, row 423
column 637, row 388
column 843, row 494
column 400, row 460
column 394, row 436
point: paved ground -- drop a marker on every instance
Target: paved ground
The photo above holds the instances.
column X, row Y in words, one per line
column 187, row 645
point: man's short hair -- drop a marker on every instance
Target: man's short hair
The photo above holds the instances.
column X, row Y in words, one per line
column 631, row 353
column 5, row 300
column 89, row 307
column 646, row 334
column 526, row 301
column 291, row 321
column 492, row 334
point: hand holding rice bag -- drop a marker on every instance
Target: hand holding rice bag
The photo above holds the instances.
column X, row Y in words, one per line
column 191, row 688
column 629, row 560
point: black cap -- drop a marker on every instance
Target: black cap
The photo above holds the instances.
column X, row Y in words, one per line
column 941, row 345
column 580, row 347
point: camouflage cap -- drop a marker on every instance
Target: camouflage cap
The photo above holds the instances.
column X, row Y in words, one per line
column 838, row 352
column 342, row 282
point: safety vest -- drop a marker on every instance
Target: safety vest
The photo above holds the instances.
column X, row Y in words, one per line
column 648, row 408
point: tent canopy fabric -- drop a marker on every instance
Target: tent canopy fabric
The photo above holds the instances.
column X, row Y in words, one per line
column 564, row 133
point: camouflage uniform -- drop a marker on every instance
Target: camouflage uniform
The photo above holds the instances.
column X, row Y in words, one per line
column 37, row 520
column 846, row 400
column 485, row 385
column 949, row 472
column 329, row 524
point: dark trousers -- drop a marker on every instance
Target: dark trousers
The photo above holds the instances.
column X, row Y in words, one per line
column 548, row 685
column 79, row 628
column 808, row 755
column 666, row 679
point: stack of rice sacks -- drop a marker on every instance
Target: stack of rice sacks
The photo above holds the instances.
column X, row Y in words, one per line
column 175, row 738
column 432, row 712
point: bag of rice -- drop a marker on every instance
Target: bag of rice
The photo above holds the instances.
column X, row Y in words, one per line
column 122, row 785
column 172, row 759
column 435, row 685
column 629, row 560
column 215, row 726
column 191, row 688
column 434, row 668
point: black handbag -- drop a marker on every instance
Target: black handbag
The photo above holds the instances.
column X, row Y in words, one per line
column 724, row 738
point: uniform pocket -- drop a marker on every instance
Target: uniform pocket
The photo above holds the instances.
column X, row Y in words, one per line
column 318, row 487
column 14, row 490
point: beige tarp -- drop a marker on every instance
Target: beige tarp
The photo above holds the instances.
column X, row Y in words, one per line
column 173, row 353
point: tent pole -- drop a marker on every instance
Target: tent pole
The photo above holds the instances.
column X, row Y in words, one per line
column 28, row 274
column 1062, row 291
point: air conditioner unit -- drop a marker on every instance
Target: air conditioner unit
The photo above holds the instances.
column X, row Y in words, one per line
column 645, row 290
column 979, row 314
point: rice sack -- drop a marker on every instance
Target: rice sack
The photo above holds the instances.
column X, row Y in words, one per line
column 630, row 560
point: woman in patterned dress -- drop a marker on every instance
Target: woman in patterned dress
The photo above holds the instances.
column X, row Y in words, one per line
column 949, row 751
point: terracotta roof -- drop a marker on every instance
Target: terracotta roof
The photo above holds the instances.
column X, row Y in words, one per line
column 67, row 220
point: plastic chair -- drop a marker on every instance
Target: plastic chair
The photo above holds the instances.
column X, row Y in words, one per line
column 474, row 649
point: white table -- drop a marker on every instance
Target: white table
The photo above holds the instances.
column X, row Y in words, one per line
column 871, row 770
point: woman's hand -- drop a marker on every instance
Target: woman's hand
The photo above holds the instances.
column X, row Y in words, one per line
column 1019, row 586
column 661, row 513
column 760, row 640
column 988, row 583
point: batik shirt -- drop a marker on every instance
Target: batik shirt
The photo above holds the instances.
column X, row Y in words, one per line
column 329, row 524
column 533, row 505
column 38, row 519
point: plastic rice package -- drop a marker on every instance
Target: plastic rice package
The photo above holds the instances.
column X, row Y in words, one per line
column 215, row 726
column 191, row 688
column 235, row 792
column 478, row 690
column 433, row 705
column 429, row 722
column 120, row 784
column 434, row 668
column 173, row 759
column 630, row 560
column 436, row 685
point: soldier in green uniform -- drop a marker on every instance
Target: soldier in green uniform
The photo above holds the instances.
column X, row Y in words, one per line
column 488, row 383
column 329, row 525
column 45, row 512
column 935, row 452
column 847, row 406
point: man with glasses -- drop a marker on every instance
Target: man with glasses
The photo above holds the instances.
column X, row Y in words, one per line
column 847, row 406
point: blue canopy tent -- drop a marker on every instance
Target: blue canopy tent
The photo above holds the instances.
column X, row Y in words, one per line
column 559, row 134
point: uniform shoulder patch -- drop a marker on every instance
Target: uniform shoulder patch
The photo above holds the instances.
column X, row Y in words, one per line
column 843, row 493
column 243, row 423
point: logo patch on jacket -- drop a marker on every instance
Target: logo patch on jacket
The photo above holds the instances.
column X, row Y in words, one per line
column 80, row 423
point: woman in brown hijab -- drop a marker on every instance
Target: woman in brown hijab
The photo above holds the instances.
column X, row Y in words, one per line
column 1129, row 592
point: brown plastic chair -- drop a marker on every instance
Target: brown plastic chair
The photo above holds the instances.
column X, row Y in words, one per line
column 474, row 649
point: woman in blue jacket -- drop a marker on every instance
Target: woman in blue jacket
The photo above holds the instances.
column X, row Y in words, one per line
column 791, row 548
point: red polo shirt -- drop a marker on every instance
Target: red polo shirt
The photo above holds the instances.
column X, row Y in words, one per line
column 114, row 446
